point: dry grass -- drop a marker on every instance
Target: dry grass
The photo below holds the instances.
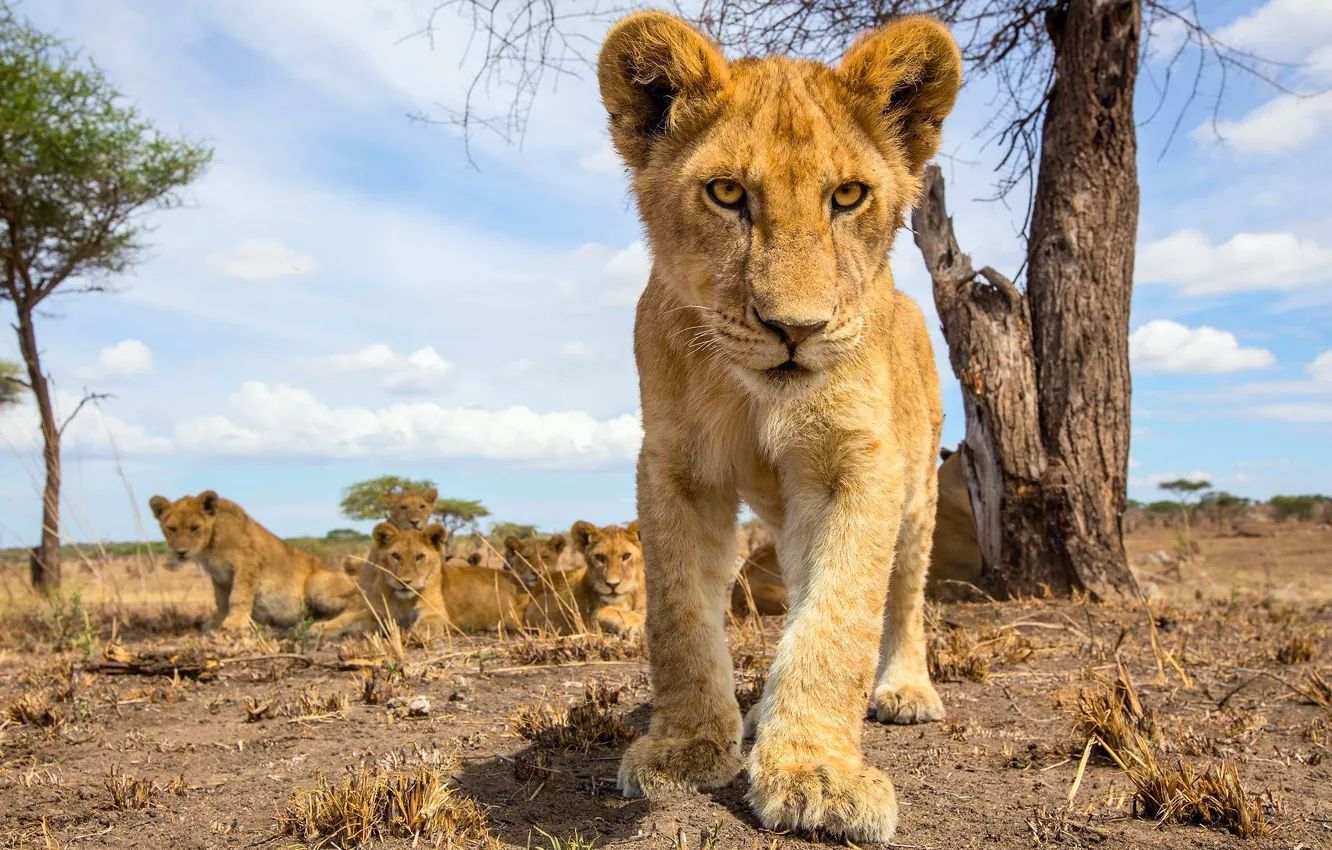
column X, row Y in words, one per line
column 309, row 705
column 956, row 654
column 377, row 687
column 396, row 798
column 36, row 708
column 1298, row 649
column 589, row 723
column 129, row 791
column 1111, row 717
column 575, row 649
column 1211, row 797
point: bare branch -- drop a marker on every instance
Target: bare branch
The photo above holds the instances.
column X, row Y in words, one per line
column 87, row 397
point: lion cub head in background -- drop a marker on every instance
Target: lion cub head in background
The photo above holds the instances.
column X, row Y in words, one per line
column 614, row 559
column 410, row 508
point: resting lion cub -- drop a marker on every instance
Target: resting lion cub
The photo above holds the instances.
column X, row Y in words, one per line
column 255, row 573
column 400, row 583
column 534, row 560
column 607, row 592
column 779, row 365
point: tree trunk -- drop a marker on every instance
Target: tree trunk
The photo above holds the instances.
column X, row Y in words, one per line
column 988, row 330
column 45, row 559
column 1079, row 285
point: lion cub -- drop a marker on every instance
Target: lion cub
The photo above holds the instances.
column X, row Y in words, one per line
column 535, row 560
column 608, row 591
column 759, row 580
column 410, row 508
column 255, row 573
column 401, row 582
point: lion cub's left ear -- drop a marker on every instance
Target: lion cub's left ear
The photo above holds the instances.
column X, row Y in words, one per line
column 656, row 73
column 436, row 535
column 905, row 78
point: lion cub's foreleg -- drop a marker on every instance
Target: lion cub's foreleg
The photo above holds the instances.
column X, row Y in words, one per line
column 903, row 692
column 806, row 770
column 688, row 549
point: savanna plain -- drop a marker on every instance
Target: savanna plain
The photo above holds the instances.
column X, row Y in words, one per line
column 1199, row 715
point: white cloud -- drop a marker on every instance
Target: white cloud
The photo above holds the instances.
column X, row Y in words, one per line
column 1133, row 464
column 1281, row 29
column 1321, row 368
column 1298, row 412
column 421, row 371
column 625, row 274
column 260, row 259
column 1165, row 346
column 286, row 420
column 1282, row 124
column 93, row 430
column 1248, row 261
column 602, row 160
column 574, row 351
column 126, row 359
column 518, row 368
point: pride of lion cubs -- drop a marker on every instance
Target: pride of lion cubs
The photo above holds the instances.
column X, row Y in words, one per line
column 593, row 583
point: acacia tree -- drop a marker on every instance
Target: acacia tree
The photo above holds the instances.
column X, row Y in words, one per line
column 457, row 514
column 11, row 385
column 79, row 169
column 1185, row 490
column 1045, row 372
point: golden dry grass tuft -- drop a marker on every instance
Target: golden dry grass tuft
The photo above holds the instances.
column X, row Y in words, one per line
column 311, row 704
column 36, row 708
column 575, row 649
column 1298, row 649
column 377, row 687
column 956, row 654
column 1111, row 717
column 129, row 791
column 588, row 723
column 397, row 798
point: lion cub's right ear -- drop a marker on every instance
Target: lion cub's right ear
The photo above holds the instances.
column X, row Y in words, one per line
column 384, row 533
column 158, row 505
column 656, row 73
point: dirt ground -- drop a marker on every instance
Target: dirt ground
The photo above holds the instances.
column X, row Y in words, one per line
column 1230, row 664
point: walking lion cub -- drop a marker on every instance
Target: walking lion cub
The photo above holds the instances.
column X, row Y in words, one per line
column 779, row 365
column 255, row 573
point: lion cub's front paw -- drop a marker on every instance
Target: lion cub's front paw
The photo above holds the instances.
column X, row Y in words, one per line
column 236, row 625
column 844, row 799
column 653, row 764
column 908, row 704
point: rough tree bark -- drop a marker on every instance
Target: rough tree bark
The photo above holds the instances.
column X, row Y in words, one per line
column 988, row 330
column 1080, row 283
column 45, row 559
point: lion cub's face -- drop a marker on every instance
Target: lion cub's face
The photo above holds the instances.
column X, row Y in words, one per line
column 187, row 523
column 771, row 188
column 614, row 558
column 532, row 558
column 412, row 508
column 408, row 560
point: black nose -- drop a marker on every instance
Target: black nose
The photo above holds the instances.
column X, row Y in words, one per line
column 789, row 332
column 180, row 553
column 612, row 582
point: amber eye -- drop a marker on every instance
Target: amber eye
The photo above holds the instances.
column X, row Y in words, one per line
column 420, row 556
column 195, row 527
column 848, row 196
column 601, row 559
column 727, row 193
column 624, row 556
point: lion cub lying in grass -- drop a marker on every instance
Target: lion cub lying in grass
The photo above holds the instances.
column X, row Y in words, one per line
column 607, row 592
column 405, row 582
column 255, row 573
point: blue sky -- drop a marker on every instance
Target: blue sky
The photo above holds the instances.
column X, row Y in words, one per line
column 345, row 297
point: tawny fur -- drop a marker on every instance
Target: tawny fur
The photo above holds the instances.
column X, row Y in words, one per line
column 535, row 559
column 830, row 437
column 256, row 575
column 607, row 593
column 410, row 508
column 760, row 582
column 400, row 584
